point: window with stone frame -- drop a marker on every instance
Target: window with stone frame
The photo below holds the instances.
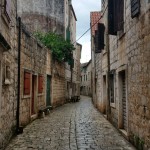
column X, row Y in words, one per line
column 7, row 72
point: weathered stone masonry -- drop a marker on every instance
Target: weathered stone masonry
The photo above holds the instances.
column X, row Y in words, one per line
column 42, row 16
column 58, row 83
column 8, row 72
column 130, row 74
column 33, row 61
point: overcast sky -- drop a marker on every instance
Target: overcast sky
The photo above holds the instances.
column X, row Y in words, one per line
column 82, row 9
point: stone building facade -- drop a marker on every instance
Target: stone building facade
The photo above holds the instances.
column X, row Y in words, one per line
column 53, row 16
column 48, row 15
column 33, row 77
column 94, row 17
column 58, row 84
column 86, row 79
column 124, row 72
column 78, row 68
column 99, row 61
column 72, row 74
column 8, row 70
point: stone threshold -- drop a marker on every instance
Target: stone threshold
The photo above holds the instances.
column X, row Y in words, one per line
column 124, row 133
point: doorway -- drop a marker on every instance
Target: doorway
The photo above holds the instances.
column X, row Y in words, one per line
column 122, row 91
column 104, row 95
column 34, row 87
column 48, row 91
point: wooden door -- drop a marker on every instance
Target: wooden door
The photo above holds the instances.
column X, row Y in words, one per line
column 33, row 95
column 124, row 105
column 48, row 92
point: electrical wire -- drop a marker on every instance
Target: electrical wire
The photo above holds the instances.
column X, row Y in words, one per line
column 92, row 25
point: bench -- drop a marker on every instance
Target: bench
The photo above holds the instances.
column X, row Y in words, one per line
column 75, row 98
column 44, row 111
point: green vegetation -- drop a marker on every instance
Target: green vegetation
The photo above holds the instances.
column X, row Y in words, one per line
column 62, row 49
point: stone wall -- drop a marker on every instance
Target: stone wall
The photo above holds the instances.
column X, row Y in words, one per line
column 78, row 57
column 72, row 85
column 33, row 61
column 94, row 16
column 129, row 66
column 98, row 83
column 58, row 84
column 138, row 53
column 86, row 79
column 42, row 16
column 8, row 75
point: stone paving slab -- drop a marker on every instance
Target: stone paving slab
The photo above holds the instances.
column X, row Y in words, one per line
column 76, row 126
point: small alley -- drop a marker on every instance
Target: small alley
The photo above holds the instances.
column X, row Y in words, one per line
column 74, row 126
column 74, row 74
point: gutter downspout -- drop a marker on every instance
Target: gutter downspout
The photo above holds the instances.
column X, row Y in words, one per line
column 108, row 73
column 18, row 128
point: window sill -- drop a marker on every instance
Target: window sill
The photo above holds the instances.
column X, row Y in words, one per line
column 113, row 105
column 40, row 94
column 121, row 34
column 26, row 96
column 124, row 133
column 104, row 52
column 148, row 7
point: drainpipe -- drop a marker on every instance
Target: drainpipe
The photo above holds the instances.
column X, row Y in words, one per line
column 16, row 10
column 18, row 128
column 108, row 73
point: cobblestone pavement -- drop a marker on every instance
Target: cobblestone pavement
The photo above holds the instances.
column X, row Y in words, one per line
column 76, row 126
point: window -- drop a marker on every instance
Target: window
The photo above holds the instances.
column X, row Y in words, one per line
column 8, row 8
column 40, row 84
column 115, row 16
column 27, row 79
column 7, row 72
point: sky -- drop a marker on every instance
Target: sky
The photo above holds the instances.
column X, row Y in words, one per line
column 82, row 9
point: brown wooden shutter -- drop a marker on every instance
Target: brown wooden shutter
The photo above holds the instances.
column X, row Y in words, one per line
column 120, row 14
column 135, row 8
column 101, row 31
column 96, row 42
column 112, row 17
column 115, row 16
column 40, row 84
column 27, row 83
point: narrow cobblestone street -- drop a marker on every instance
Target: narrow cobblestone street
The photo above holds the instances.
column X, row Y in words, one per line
column 75, row 126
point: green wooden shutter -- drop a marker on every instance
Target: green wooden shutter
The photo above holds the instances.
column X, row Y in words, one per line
column 68, row 34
